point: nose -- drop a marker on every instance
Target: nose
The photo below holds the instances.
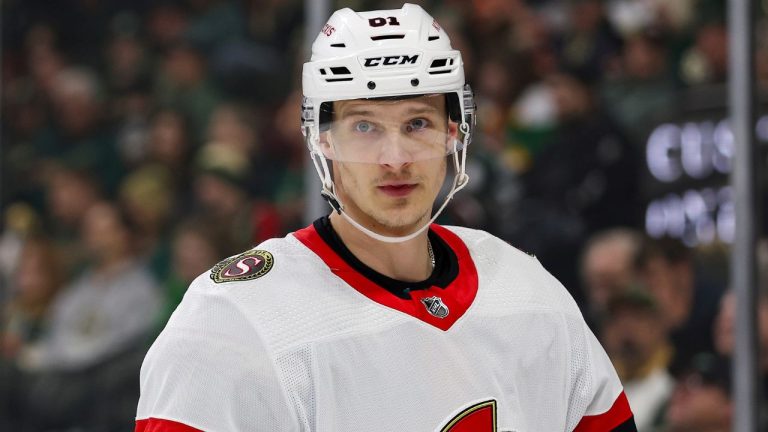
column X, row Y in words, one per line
column 394, row 152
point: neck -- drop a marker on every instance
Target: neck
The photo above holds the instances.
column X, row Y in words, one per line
column 406, row 261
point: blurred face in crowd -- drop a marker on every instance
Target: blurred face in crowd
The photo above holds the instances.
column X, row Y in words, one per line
column 125, row 53
column 631, row 337
column 77, row 108
column 643, row 59
column 607, row 269
column 219, row 197
column 193, row 254
column 36, row 279
column 724, row 324
column 38, row 273
column 496, row 12
column 585, row 15
column 761, row 62
column 166, row 24
column 69, row 196
column 146, row 195
column 698, row 406
column 126, row 60
column 494, row 81
column 104, row 233
column 393, row 192
column 23, row 108
column 671, row 285
column 184, row 67
column 229, row 127
column 44, row 61
column 572, row 98
column 724, row 331
column 712, row 41
column 168, row 140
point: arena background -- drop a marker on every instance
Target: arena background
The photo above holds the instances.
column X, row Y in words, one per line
column 143, row 141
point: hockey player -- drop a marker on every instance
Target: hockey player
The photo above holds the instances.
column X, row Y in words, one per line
column 374, row 318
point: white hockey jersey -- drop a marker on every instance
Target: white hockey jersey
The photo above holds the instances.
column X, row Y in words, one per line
column 289, row 337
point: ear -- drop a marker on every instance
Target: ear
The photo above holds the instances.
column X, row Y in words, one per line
column 453, row 129
column 325, row 145
column 453, row 134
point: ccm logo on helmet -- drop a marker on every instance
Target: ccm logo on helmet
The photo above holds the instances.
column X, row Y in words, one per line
column 391, row 60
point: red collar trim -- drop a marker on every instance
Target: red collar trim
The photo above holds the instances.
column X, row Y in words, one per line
column 457, row 296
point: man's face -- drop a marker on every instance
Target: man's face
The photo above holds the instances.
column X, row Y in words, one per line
column 103, row 233
column 671, row 285
column 725, row 327
column 632, row 337
column 389, row 159
column 607, row 270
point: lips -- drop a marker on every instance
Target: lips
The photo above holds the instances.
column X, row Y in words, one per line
column 397, row 189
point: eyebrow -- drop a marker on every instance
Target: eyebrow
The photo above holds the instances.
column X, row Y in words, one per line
column 358, row 112
column 410, row 111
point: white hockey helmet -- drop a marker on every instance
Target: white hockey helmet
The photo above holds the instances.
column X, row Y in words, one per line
column 384, row 54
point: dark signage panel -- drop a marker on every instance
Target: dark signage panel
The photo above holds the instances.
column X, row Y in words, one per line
column 688, row 162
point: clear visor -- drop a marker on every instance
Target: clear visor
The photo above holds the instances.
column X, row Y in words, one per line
column 386, row 131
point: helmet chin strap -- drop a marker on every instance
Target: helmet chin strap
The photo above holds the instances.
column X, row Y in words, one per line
column 459, row 181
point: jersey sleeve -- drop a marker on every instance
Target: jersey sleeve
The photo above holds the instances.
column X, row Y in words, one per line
column 596, row 401
column 209, row 370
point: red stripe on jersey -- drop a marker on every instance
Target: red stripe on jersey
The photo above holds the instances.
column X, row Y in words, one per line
column 618, row 414
column 457, row 296
column 153, row 424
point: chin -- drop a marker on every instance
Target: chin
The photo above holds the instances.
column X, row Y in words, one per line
column 402, row 222
column 394, row 217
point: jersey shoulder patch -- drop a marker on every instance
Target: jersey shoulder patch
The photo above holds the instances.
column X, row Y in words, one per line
column 251, row 264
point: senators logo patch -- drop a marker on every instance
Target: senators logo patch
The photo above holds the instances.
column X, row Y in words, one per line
column 249, row 265
column 480, row 417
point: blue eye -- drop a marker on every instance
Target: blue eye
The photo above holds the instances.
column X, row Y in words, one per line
column 416, row 124
column 363, row 126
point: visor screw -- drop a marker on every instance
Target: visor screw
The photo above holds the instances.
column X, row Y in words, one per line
column 371, row 85
column 415, row 82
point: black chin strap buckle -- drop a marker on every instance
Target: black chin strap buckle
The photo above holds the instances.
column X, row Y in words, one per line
column 331, row 200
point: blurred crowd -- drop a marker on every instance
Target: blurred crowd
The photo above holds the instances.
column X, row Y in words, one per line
column 143, row 141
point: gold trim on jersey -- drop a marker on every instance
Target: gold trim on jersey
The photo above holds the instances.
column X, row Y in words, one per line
column 471, row 410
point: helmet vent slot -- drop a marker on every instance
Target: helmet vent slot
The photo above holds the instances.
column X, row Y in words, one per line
column 339, row 45
column 338, row 74
column 441, row 66
column 432, row 38
column 436, row 63
column 385, row 37
column 340, row 70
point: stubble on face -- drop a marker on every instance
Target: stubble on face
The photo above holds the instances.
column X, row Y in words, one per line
column 357, row 183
